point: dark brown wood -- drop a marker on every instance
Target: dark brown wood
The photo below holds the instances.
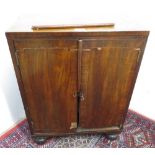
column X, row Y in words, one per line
column 76, row 82
column 107, row 75
column 77, row 35
column 79, row 64
column 40, row 27
column 19, row 80
column 50, row 78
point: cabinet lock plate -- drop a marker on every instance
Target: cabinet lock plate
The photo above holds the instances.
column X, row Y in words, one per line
column 73, row 125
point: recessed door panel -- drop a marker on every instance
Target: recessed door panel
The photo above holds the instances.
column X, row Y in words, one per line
column 49, row 78
column 107, row 76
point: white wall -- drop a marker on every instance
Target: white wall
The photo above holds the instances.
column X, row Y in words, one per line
column 118, row 11
column 11, row 109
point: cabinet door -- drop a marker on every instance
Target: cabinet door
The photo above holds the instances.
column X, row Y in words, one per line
column 107, row 77
column 49, row 79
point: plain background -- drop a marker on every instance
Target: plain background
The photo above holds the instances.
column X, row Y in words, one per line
column 118, row 11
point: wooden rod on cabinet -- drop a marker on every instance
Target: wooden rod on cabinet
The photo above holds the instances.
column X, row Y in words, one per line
column 42, row 27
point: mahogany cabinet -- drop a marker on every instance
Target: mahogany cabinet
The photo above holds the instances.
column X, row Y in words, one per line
column 76, row 82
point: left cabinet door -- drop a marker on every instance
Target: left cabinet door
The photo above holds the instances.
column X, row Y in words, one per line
column 49, row 77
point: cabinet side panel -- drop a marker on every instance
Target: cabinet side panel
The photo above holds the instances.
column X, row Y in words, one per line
column 18, row 76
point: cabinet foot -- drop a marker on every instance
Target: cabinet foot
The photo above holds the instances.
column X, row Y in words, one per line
column 111, row 136
column 40, row 140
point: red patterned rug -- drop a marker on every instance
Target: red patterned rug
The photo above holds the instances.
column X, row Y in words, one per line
column 138, row 132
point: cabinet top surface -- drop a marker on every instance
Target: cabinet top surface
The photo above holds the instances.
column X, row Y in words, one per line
column 25, row 24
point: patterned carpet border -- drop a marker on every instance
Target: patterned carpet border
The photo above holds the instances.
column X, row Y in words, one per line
column 10, row 131
column 138, row 132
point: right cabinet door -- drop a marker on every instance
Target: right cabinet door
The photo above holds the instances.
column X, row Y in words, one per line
column 108, row 71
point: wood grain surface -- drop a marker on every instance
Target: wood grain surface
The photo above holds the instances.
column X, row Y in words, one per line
column 76, row 82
